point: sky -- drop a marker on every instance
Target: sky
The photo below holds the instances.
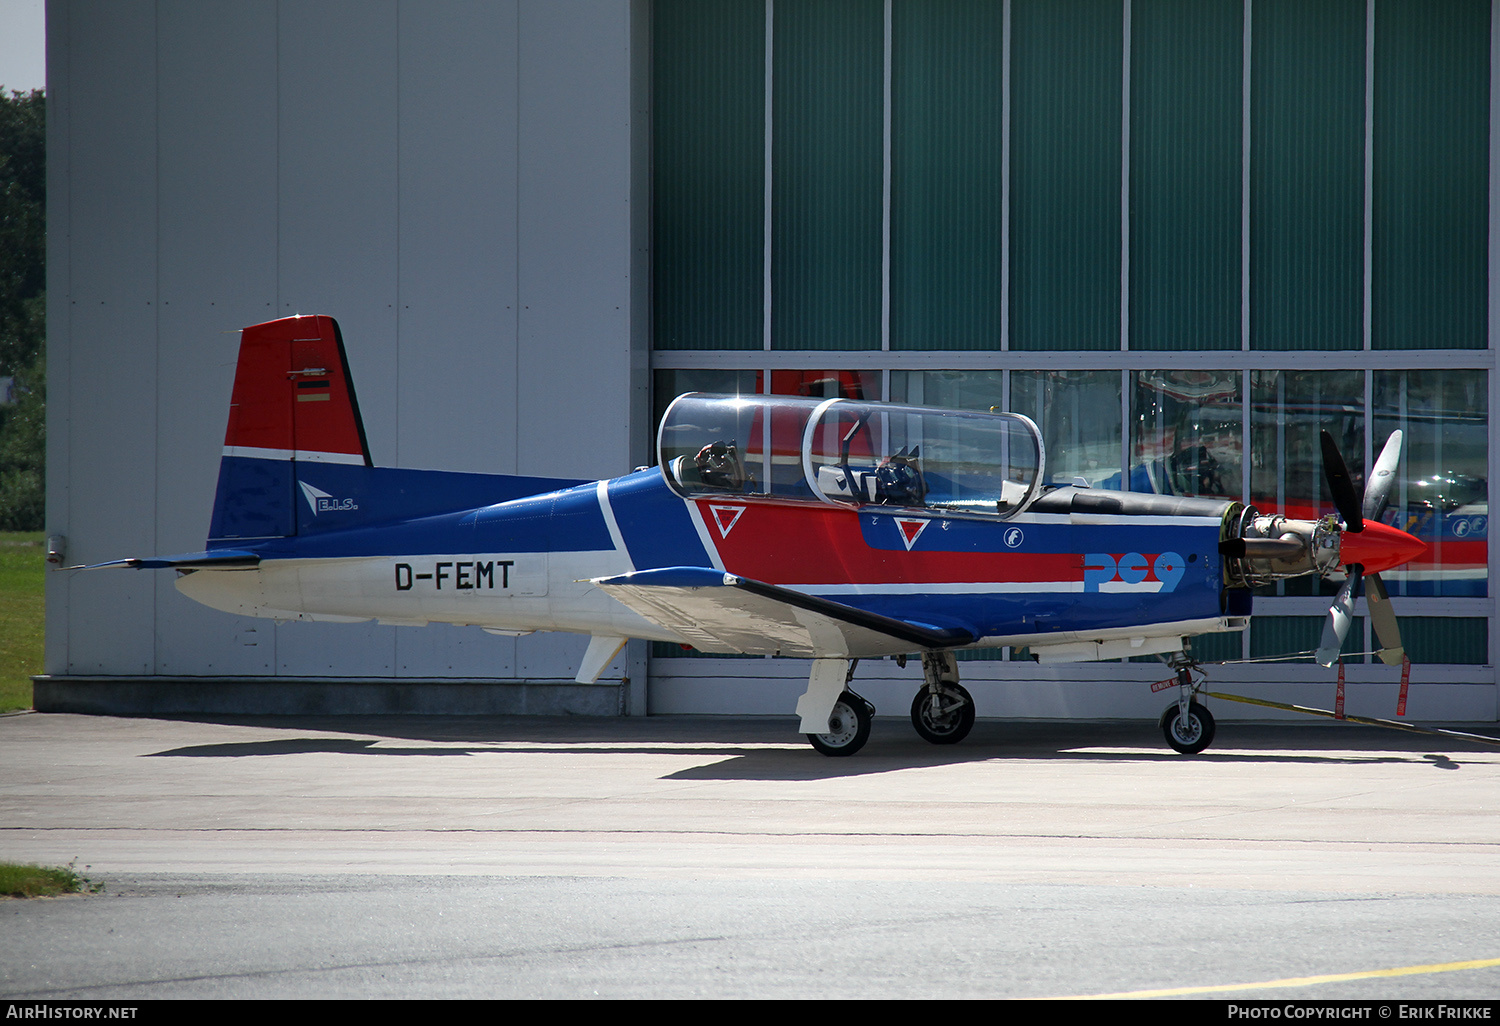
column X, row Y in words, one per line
column 23, row 45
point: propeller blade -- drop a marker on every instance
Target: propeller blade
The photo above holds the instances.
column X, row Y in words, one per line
column 1340, row 616
column 1341, row 487
column 1378, row 487
column 1383, row 619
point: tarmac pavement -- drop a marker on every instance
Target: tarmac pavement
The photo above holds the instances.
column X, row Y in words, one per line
column 706, row 857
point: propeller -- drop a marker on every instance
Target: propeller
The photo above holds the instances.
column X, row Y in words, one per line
column 1366, row 546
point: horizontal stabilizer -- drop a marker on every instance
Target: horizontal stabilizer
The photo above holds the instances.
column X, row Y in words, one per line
column 218, row 559
column 719, row 612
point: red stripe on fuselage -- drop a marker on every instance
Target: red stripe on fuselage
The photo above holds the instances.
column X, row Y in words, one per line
column 812, row 545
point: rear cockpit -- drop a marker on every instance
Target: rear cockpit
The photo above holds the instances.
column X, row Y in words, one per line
column 850, row 453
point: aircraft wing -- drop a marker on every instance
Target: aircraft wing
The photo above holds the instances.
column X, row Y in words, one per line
column 719, row 612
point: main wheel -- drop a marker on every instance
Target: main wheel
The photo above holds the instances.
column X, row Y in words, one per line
column 848, row 726
column 946, row 721
column 1198, row 735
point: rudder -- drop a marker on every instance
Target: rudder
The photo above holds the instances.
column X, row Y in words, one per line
column 293, row 401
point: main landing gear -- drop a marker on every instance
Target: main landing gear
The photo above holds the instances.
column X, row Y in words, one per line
column 942, row 711
column 848, row 726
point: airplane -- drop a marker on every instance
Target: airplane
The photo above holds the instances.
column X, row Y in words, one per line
column 823, row 529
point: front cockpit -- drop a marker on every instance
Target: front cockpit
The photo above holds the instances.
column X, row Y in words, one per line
column 851, row 453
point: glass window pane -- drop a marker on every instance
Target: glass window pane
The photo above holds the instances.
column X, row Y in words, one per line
column 1288, row 410
column 1185, row 433
column 1079, row 414
column 669, row 384
column 954, row 390
column 783, row 440
column 1442, row 486
column 825, row 384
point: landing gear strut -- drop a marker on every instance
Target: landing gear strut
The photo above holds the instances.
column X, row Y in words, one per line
column 943, row 711
column 1187, row 726
column 848, row 720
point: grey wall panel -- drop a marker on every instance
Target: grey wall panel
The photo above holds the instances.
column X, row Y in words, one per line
column 443, row 650
column 337, row 224
column 552, row 656
column 573, row 400
column 457, row 248
column 407, row 168
column 216, row 136
column 337, row 253
column 111, row 342
column 59, row 322
column 457, row 278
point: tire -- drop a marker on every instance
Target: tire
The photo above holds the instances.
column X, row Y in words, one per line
column 1200, row 733
column 848, row 727
column 949, row 726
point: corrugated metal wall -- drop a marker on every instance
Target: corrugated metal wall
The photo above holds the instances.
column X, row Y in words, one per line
column 1052, row 119
column 708, row 126
column 1307, row 115
column 826, row 190
column 1431, row 145
column 947, row 175
column 1065, row 159
column 1186, row 97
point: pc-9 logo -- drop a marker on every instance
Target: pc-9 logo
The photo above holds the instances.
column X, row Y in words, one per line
column 1105, row 572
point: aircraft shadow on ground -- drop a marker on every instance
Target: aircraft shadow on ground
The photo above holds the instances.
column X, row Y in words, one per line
column 768, row 750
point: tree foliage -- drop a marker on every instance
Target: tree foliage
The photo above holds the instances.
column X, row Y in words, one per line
column 23, row 306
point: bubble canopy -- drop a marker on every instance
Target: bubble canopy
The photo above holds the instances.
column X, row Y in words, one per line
column 850, row 453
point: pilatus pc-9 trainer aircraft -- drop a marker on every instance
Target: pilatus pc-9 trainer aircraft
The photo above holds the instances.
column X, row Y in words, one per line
column 828, row 530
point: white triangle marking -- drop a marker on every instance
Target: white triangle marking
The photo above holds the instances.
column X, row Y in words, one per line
column 726, row 517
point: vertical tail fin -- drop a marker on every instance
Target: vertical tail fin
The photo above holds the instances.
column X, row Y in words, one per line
column 293, row 402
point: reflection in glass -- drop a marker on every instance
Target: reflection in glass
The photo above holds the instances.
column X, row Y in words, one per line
column 669, row 384
column 1079, row 414
column 1442, row 486
column 953, row 390
column 1185, row 433
column 1288, row 410
column 825, row 384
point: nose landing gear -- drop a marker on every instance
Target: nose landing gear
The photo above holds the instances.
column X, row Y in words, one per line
column 1187, row 726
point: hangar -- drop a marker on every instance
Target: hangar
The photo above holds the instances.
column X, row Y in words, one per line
column 1181, row 235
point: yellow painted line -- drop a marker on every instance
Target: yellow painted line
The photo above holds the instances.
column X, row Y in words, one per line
column 1294, row 981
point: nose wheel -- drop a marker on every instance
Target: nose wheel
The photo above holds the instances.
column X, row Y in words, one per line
column 1192, row 736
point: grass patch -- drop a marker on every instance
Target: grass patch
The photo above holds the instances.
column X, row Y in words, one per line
column 22, row 881
column 23, row 570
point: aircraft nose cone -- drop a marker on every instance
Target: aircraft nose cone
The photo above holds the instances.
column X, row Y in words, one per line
column 1378, row 547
